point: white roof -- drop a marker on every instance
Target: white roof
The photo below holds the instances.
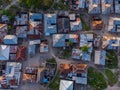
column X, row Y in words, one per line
column 97, row 57
column 43, row 48
column 76, row 53
column 66, row 85
column 13, row 70
column 4, row 52
column 72, row 16
column 10, row 37
column 33, row 42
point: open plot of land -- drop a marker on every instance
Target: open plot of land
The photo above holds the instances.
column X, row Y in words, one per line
column 96, row 79
column 111, row 59
column 112, row 79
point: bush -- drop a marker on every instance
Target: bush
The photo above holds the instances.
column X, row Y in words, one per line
column 52, row 60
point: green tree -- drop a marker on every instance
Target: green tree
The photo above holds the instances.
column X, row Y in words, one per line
column 85, row 48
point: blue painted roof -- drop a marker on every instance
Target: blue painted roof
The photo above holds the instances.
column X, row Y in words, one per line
column 86, row 56
column 50, row 24
column 59, row 39
column 31, row 49
column 36, row 16
column 103, row 56
column 112, row 42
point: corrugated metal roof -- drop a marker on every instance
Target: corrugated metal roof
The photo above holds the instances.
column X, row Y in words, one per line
column 50, row 24
column 66, row 85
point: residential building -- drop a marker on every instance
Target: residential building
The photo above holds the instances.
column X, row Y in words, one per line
column 10, row 39
column 11, row 79
column 117, row 6
column 44, row 46
column 21, row 31
column 110, row 42
column 77, row 4
column 94, row 7
column 5, row 19
column 97, row 23
column 30, row 74
column 4, row 52
column 21, row 25
column 75, row 72
column 32, row 50
column 80, row 4
column 114, row 24
column 13, row 51
column 13, row 48
column 50, row 24
column 97, row 41
column 107, row 6
column 78, row 54
column 35, row 29
column 72, row 17
column 49, row 70
column 21, row 19
column 99, row 58
column 76, row 25
column 32, row 47
column 13, row 74
column 63, row 24
column 62, row 40
column 66, row 85
column 86, row 39
column 3, row 31
column 21, row 53
column 34, row 42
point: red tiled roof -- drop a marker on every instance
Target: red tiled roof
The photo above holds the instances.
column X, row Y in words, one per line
column 21, row 53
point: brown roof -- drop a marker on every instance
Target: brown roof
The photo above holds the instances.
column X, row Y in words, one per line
column 38, row 28
column 13, row 82
column 76, row 68
column 97, row 24
column 21, row 53
column 2, row 25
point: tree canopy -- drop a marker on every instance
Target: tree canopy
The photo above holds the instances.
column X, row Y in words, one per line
column 84, row 48
column 39, row 4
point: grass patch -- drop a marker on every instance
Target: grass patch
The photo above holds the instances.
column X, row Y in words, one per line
column 111, row 59
column 55, row 82
column 52, row 60
column 111, row 77
column 96, row 79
